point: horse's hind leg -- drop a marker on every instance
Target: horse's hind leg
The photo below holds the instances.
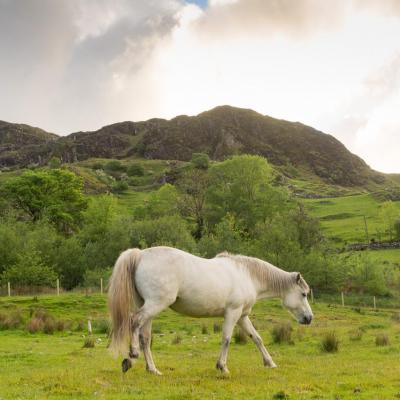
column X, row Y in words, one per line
column 145, row 344
column 231, row 317
column 146, row 313
column 249, row 329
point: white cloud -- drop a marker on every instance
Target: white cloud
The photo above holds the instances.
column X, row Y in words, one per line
column 72, row 65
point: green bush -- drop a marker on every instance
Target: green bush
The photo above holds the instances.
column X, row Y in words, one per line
column 114, row 166
column 119, row 187
column 200, row 160
column 30, row 270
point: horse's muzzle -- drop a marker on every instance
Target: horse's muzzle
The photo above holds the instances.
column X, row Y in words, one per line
column 306, row 320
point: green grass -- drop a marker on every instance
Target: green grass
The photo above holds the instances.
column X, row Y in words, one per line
column 342, row 218
column 57, row 366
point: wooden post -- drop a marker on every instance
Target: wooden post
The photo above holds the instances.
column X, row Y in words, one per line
column 9, row 289
column 374, row 303
column 101, row 285
column 366, row 229
column 58, row 287
column 312, row 295
column 342, row 299
column 89, row 326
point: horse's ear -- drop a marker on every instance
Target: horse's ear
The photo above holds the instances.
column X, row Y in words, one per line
column 298, row 277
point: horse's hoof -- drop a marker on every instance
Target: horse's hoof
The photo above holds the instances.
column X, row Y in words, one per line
column 126, row 364
column 270, row 365
column 222, row 368
column 154, row 372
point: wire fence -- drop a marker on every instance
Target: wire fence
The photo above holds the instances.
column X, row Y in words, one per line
column 335, row 298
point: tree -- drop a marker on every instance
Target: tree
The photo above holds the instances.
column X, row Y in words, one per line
column 55, row 194
column 29, row 270
column 54, row 163
column 241, row 186
column 193, row 187
column 388, row 214
column 162, row 202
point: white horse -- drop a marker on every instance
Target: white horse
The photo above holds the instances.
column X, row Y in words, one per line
column 146, row 282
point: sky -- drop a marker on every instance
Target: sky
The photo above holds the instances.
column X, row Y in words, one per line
column 71, row 65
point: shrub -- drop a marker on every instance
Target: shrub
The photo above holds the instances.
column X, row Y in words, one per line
column 282, row 333
column 281, row 395
column 177, row 339
column 49, row 325
column 34, row 325
column 10, row 321
column 240, row 337
column 97, row 165
column 88, row 342
column 330, row 342
column 356, row 334
column 115, row 166
column 382, row 339
column 396, row 317
column 200, row 160
column 119, row 187
column 204, row 329
column 217, row 327
column 102, row 326
column 135, row 170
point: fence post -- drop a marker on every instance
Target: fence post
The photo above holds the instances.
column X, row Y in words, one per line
column 342, row 299
column 101, row 285
column 89, row 325
column 9, row 289
column 312, row 295
column 374, row 303
column 58, row 287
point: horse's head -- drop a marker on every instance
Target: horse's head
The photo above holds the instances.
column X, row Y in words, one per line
column 295, row 299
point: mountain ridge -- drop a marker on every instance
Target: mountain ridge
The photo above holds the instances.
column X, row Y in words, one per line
column 220, row 132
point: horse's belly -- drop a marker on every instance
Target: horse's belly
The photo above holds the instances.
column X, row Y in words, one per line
column 200, row 305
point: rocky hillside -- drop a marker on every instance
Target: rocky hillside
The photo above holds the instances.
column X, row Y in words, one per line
column 220, row 132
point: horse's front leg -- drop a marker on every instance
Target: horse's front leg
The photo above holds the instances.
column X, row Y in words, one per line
column 249, row 329
column 231, row 317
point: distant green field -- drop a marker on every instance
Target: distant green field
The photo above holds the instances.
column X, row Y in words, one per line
column 342, row 218
column 40, row 366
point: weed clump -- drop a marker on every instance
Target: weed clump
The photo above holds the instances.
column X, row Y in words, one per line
column 204, row 329
column 330, row 342
column 177, row 339
column 282, row 333
column 102, row 326
column 217, row 327
column 356, row 335
column 396, row 317
column 382, row 339
column 34, row 325
column 88, row 342
column 10, row 321
column 281, row 395
column 240, row 337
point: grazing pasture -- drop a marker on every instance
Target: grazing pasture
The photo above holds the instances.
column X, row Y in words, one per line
column 57, row 366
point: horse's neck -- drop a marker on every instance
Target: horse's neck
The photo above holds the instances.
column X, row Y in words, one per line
column 272, row 282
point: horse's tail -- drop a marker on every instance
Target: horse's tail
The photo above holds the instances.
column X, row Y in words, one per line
column 123, row 299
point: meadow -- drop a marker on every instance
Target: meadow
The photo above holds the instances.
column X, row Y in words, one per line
column 57, row 366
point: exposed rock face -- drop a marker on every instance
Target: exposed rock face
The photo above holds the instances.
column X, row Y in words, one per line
column 220, row 132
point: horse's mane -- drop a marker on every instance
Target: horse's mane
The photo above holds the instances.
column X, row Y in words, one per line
column 267, row 274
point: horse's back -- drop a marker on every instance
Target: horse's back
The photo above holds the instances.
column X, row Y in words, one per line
column 193, row 285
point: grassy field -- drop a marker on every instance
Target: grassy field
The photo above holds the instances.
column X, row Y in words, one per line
column 56, row 366
column 342, row 218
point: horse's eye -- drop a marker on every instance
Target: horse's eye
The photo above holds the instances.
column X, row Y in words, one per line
column 304, row 294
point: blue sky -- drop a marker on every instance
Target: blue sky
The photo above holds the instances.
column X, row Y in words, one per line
column 201, row 3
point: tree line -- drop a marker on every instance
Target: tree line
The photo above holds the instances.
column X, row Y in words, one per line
column 49, row 228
